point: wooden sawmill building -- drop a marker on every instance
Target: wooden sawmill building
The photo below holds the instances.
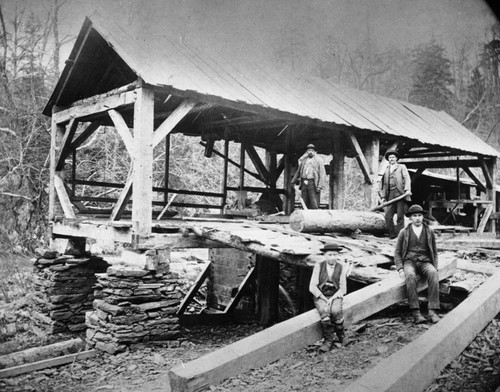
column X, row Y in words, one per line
column 148, row 89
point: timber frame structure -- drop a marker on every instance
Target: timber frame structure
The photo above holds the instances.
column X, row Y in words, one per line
column 104, row 84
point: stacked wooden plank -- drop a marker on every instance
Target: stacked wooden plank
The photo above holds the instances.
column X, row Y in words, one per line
column 64, row 290
column 133, row 305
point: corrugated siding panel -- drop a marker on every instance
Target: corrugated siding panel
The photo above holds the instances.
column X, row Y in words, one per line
column 159, row 61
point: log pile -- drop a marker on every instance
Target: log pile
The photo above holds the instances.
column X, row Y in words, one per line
column 64, row 290
column 134, row 305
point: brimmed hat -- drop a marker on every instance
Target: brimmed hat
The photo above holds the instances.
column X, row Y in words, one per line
column 415, row 209
column 331, row 246
column 311, row 146
column 391, row 152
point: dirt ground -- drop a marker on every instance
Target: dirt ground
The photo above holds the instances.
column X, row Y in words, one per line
column 144, row 367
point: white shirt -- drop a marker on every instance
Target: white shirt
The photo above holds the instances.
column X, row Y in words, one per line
column 417, row 230
column 329, row 270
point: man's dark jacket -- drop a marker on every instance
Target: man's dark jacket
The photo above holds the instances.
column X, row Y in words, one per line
column 404, row 241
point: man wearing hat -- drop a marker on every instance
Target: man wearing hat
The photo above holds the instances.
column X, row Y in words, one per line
column 312, row 175
column 416, row 255
column 395, row 182
column 328, row 285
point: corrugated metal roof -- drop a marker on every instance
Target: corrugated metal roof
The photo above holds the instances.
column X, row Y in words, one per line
column 159, row 61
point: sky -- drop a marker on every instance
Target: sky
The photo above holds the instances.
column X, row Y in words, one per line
column 258, row 28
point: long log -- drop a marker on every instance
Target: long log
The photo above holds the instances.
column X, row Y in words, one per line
column 38, row 353
column 291, row 335
column 328, row 221
column 415, row 366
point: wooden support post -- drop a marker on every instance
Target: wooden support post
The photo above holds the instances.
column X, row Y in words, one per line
column 288, row 173
column 167, row 169
column 416, row 365
column 242, row 193
column 268, row 275
column 194, row 289
column 337, row 188
column 142, row 207
column 224, row 176
column 172, row 120
column 288, row 336
column 491, row 168
column 372, row 158
column 123, row 199
column 57, row 135
column 271, row 165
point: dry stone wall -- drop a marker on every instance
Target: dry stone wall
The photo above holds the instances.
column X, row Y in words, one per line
column 134, row 305
column 64, row 287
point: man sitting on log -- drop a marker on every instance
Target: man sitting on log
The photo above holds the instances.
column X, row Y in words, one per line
column 328, row 286
column 312, row 175
column 395, row 185
column 416, row 255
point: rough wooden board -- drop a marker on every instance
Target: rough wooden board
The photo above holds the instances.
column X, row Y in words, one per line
column 415, row 366
column 289, row 336
column 476, row 267
column 31, row 367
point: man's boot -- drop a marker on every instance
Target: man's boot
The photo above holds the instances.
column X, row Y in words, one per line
column 339, row 331
column 328, row 333
column 417, row 317
column 434, row 316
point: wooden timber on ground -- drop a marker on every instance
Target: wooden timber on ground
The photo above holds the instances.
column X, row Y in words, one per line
column 476, row 268
column 58, row 361
column 330, row 221
column 40, row 353
column 289, row 336
column 415, row 366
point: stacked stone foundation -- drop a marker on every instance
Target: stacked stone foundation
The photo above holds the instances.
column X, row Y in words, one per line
column 134, row 305
column 64, row 287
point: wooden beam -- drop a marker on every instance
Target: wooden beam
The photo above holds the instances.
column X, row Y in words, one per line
column 476, row 268
column 58, row 361
column 65, row 147
column 241, row 289
column 63, row 197
column 416, row 365
column 194, row 289
column 142, row 206
column 360, row 157
column 371, row 189
column 171, row 121
column 216, row 152
column 124, row 198
column 337, row 174
column 122, row 130
column 473, row 177
column 57, row 134
column 289, row 165
column 257, row 162
column 486, row 173
column 91, row 128
column 95, row 105
column 286, row 337
column 485, row 218
column 442, row 164
column 224, row 175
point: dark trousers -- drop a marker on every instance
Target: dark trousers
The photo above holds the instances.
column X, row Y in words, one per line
column 399, row 208
column 426, row 270
column 309, row 194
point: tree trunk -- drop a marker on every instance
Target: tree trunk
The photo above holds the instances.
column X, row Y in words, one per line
column 327, row 221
